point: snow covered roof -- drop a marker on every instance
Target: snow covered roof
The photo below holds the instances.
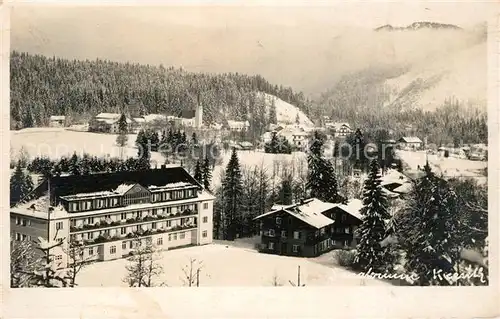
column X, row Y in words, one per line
column 231, row 123
column 108, row 116
column 57, row 118
column 410, row 139
column 353, row 207
column 39, row 208
column 156, row 188
column 403, row 189
column 139, row 119
column 309, row 212
column 393, row 176
column 123, row 188
column 154, row 117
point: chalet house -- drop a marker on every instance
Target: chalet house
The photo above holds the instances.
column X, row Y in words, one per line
column 237, row 126
column 308, row 228
column 339, row 129
column 108, row 123
column 296, row 136
column 409, row 143
column 57, row 121
column 396, row 183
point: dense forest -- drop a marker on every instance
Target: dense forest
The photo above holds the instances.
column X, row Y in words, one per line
column 43, row 86
column 359, row 99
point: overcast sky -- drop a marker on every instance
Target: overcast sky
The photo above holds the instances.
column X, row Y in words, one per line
column 272, row 39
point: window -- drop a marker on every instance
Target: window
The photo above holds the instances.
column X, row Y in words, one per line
column 271, row 246
column 283, row 233
column 91, row 235
column 123, row 230
column 344, row 217
column 334, row 243
column 155, row 212
column 153, row 225
column 296, row 235
column 59, row 257
column 169, row 223
column 169, row 210
column 91, row 251
column 24, row 222
column 271, row 232
column 205, row 205
column 159, row 241
column 18, row 221
column 29, row 237
column 346, row 230
column 322, row 231
column 204, row 234
column 278, row 220
column 346, row 243
column 124, row 245
column 182, row 235
column 24, row 237
column 169, row 237
column 131, row 244
column 175, row 236
column 87, row 205
column 295, row 248
column 123, row 216
column 73, row 222
column 90, row 220
column 205, row 219
column 99, row 203
column 112, row 250
column 18, row 236
column 59, row 225
column 338, row 230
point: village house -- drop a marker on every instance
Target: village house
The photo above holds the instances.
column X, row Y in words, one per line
column 308, row 228
column 409, row 143
column 108, row 123
column 57, row 121
column 107, row 211
column 339, row 129
column 237, row 126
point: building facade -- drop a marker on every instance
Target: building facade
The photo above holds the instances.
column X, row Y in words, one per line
column 108, row 123
column 57, row 121
column 309, row 228
column 409, row 143
column 108, row 212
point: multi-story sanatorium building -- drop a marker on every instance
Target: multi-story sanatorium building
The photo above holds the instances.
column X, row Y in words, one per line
column 107, row 211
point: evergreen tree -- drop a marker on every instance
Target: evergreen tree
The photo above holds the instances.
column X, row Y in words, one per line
column 207, row 173
column 429, row 232
column 74, row 165
column 121, row 139
column 369, row 252
column 358, row 145
column 273, row 118
column 232, row 188
column 198, row 173
column 286, row 192
column 28, row 120
column 19, row 185
column 321, row 178
column 194, row 139
column 297, row 118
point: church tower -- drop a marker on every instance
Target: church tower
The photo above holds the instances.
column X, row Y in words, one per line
column 198, row 115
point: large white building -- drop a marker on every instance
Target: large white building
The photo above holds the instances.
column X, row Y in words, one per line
column 107, row 211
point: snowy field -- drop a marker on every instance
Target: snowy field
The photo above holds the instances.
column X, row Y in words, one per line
column 451, row 167
column 231, row 265
column 57, row 142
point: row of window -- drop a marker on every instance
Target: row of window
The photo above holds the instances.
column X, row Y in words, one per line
column 128, row 200
column 141, row 214
column 159, row 242
column 22, row 237
column 23, row 222
column 279, row 219
column 297, row 234
column 295, row 248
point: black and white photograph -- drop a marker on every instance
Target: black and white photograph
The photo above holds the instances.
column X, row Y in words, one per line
column 333, row 145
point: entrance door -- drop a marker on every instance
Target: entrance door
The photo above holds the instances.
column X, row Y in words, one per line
column 283, row 248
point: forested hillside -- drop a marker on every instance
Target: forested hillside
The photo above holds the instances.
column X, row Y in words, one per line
column 42, row 86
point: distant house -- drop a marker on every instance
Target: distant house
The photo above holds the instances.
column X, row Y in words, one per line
column 409, row 143
column 308, row 228
column 246, row 146
column 107, row 123
column 237, row 126
column 296, row 136
column 339, row 129
column 57, row 121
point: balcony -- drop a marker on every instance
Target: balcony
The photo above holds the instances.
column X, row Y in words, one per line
column 141, row 233
column 132, row 221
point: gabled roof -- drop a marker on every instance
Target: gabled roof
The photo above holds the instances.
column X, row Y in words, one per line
column 309, row 211
column 410, row 139
column 105, row 182
column 353, row 207
column 110, row 116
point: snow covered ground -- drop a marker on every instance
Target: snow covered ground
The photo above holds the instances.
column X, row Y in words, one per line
column 451, row 167
column 286, row 113
column 231, row 264
column 57, row 142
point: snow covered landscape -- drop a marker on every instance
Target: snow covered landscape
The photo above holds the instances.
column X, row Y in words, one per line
column 232, row 264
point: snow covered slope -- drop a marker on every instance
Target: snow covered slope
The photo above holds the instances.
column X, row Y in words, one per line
column 461, row 76
column 286, row 112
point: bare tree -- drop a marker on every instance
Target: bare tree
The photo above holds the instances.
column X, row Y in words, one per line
column 192, row 273
column 275, row 281
column 298, row 284
column 143, row 266
column 77, row 258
